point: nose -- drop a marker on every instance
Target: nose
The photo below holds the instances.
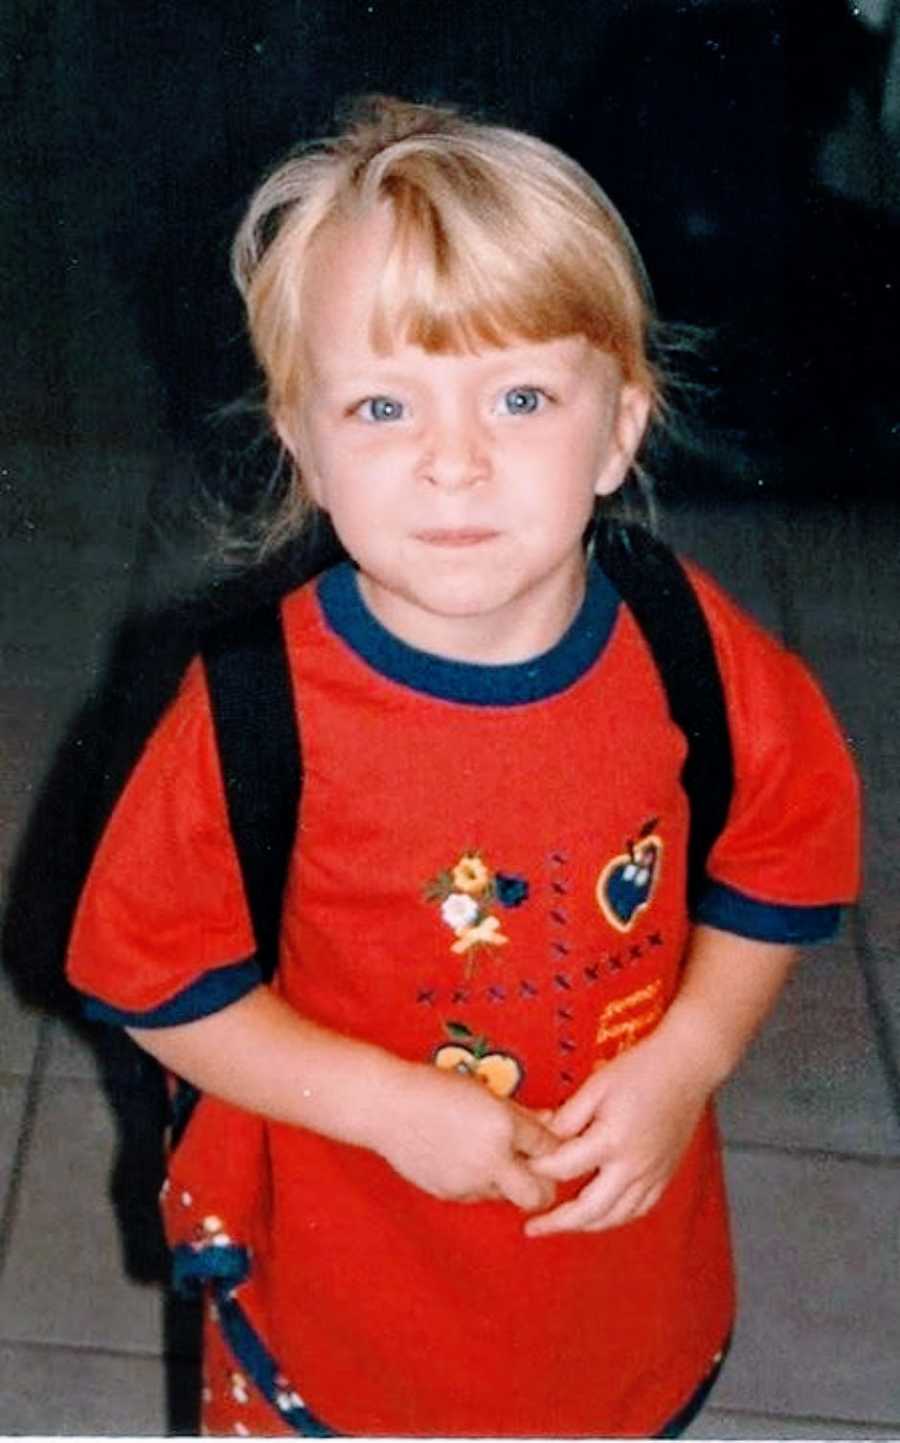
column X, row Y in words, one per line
column 454, row 454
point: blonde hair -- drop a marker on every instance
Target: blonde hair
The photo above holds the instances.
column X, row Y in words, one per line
column 498, row 237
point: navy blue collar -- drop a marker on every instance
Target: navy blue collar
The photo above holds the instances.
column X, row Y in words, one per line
column 476, row 684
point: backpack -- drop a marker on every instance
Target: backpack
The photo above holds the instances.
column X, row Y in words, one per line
column 259, row 744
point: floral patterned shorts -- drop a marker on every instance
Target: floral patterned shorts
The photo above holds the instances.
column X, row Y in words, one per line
column 232, row 1404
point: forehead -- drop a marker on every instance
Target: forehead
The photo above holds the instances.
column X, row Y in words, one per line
column 341, row 281
column 340, row 303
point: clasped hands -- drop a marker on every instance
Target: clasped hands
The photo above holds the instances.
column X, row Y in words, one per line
column 624, row 1130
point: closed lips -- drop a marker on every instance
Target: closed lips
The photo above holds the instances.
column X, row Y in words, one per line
column 463, row 537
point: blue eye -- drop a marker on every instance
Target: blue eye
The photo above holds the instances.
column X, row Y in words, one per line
column 381, row 408
column 523, row 400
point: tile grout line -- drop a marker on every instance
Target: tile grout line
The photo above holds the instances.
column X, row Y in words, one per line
column 814, row 1418
column 880, row 1015
column 886, row 1161
column 33, row 1089
column 43, row 1345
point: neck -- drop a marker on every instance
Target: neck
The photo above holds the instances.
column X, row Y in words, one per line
column 515, row 632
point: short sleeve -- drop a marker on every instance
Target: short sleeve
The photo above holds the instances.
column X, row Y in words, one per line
column 788, row 857
column 162, row 934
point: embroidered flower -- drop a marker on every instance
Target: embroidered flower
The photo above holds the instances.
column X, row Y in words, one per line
column 486, row 934
column 471, row 875
column 210, row 1234
column 466, row 893
column 511, row 891
column 239, row 1390
column 286, row 1400
column 459, row 910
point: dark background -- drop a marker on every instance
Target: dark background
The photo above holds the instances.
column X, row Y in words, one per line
column 137, row 132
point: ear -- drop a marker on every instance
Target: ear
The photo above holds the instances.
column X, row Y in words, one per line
column 632, row 415
column 288, row 433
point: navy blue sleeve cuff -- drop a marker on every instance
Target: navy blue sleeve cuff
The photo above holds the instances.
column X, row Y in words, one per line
column 210, row 993
column 732, row 911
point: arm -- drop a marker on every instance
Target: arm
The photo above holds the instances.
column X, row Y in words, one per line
column 444, row 1133
column 631, row 1121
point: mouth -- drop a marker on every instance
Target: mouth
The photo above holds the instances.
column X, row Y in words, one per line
column 457, row 537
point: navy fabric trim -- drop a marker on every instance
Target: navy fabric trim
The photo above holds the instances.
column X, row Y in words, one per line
column 686, row 1415
column 193, row 1267
column 507, row 684
column 210, row 993
column 252, row 1354
column 724, row 907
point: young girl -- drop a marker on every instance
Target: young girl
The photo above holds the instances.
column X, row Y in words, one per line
column 455, row 1171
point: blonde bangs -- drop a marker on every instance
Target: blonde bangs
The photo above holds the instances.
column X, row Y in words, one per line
column 443, row 292
column 498, row 238
column 486, row 254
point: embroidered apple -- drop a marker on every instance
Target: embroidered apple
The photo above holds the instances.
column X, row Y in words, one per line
column 500, row 1072
column 627, row 883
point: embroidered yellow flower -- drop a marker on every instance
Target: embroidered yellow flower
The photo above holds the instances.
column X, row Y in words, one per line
column 486, row 934
column 466, row 892
column 470, row 875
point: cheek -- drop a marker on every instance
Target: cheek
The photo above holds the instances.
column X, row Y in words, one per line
column 564, row 467
column 358, row 479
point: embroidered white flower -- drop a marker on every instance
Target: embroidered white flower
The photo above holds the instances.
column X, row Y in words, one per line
column 459, row 911
column 239, row 1391
column 288, row 1399
column 213, row 1234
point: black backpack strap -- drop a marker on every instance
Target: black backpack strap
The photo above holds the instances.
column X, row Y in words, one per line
column 653, row 584
column 259, row 749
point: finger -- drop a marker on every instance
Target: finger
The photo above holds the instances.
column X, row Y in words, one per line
column 589, row 1210
column 568, row 1217
column 635, row 1203
column 518, row 1185
column 574, row 1158
column 530, row 1136
column 579, row 1110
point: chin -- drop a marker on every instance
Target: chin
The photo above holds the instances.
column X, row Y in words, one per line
column 454, row 599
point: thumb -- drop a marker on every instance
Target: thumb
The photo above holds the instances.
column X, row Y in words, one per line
column 518, row 1185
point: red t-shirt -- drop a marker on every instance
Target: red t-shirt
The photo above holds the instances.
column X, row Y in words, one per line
column 490, row 872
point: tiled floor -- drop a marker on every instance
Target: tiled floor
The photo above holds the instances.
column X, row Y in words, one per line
column 810, row 1120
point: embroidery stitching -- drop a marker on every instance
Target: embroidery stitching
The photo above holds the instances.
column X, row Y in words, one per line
column 466, row 894
column 615, row 1026
column 628, row 882
column 471, row 1054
